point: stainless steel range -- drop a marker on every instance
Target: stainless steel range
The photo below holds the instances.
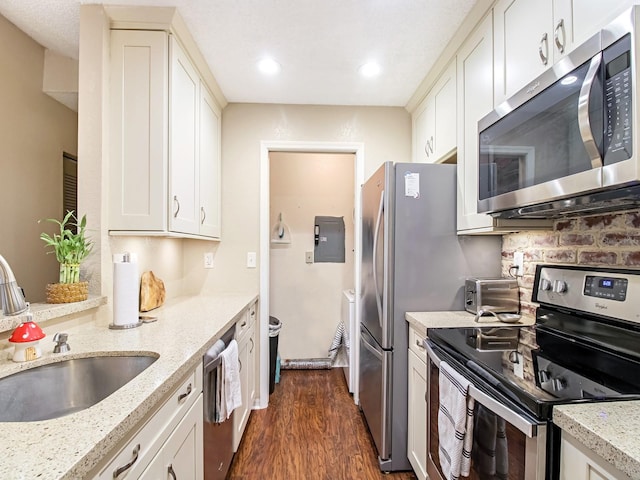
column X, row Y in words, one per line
column 584, row 347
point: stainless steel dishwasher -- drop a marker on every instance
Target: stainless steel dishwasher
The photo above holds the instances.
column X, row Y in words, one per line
column 218, row 437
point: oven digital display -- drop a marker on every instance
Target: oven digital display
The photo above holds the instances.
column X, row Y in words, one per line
column 606, row 283
column 612, row 288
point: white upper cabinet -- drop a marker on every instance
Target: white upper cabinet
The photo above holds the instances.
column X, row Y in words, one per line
column 434, row 121
column 209, row 164
column 475, row 99
column 184, row 173
column 530, row 36
column 165, row 140
column 524, row 43
column 138, row 130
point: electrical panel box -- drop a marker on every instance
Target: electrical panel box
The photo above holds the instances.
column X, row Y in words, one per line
column 329, row 240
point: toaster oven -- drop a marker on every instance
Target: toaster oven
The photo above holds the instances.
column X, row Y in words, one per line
column 500, row 295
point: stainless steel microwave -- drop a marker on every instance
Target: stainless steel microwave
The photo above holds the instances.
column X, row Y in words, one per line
column 567, row 142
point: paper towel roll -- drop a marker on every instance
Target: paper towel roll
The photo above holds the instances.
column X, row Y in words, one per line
column 125, row 289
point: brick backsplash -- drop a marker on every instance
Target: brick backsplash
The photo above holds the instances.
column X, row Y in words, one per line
column 611, row 239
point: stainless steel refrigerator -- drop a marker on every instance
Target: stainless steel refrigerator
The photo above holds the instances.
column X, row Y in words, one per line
column 412, row 260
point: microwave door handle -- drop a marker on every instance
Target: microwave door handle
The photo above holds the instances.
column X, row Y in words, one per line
column 375, row 255
column 583, row 113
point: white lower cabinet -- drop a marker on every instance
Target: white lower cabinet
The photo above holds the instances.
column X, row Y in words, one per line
column 172, row 436
column 181, row 456
column 417, row 406
column 246, row 338
column 577, row 462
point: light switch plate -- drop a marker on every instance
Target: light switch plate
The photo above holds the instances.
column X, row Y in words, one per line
column 251, row 259
column 208, row 260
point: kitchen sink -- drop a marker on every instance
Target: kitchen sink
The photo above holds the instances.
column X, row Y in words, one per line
column 58, row 389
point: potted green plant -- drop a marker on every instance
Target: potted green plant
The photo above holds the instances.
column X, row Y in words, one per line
column 71, row 247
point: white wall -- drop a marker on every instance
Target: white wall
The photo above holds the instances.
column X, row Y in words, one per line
column 385, row 132
column 307, row 297
column 35, row 130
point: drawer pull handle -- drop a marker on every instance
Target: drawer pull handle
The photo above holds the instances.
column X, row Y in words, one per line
column 252, row 345
column 253, row 313
column 124, row 468
column 240, row 365
column 244, row 324
column 419, row 344
column 171, row 472
column 182, row 396
column 203, row 215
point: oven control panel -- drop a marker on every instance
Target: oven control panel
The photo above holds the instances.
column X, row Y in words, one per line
column 601, row 291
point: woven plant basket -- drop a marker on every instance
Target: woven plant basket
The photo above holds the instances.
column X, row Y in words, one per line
column 67, row 292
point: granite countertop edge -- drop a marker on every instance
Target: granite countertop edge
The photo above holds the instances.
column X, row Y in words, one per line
column 608, row 429
column 57, row 448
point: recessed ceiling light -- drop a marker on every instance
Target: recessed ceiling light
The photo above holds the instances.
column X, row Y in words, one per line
column 370, row 69
column 269, row 66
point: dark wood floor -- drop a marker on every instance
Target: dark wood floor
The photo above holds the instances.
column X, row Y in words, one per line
column 311, row 431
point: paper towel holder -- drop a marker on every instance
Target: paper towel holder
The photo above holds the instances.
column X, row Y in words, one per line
column 126, row 258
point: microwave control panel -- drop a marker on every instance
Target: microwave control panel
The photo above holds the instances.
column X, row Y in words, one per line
column 618, row 101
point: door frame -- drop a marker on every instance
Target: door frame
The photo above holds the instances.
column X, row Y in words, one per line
column 266, row 147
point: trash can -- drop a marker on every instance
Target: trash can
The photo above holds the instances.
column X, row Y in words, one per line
column 274, row 331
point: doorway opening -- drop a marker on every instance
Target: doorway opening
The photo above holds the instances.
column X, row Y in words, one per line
column 272, row 152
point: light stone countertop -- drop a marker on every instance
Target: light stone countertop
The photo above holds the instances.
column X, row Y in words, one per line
column 461, row 319
column 609, row 429
column 69, row 447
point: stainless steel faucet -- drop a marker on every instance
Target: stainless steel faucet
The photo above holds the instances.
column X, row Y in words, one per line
column 13, row 302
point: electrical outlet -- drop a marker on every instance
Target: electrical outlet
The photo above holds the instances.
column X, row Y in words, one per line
column 518, row 261
column 251, row 259
column 208, row 260
column 518, row 367
column 308, row 257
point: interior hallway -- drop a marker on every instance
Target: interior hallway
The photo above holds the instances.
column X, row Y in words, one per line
column 311, row 430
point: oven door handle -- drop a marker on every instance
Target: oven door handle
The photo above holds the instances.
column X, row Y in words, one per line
column 526, row 426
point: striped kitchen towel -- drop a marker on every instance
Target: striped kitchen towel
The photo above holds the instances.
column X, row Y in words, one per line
column 455, row 423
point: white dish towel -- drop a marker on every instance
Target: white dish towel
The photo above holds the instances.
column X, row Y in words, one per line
column 230, row 393
column 455, row 423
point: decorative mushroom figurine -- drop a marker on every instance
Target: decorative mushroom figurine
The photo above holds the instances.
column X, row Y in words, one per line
column 26, row 338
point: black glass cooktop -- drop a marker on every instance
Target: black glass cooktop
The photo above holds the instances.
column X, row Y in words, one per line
column 561, row 359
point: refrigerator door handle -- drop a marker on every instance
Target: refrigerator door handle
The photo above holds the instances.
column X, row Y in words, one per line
column 375, row 255
column 369, row 343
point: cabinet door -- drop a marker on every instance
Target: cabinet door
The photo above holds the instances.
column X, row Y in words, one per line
column 586, row 17
column 209, row 153
column 417, row 417
column 241, row 414
column 183, row 142
column 444, row 101
column 475, row 99
column 138, row 130
column 181, row 456
column 577, row 462
column 523, row 43
column 424, row 131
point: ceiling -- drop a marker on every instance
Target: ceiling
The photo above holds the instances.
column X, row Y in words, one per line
column 320, row 44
